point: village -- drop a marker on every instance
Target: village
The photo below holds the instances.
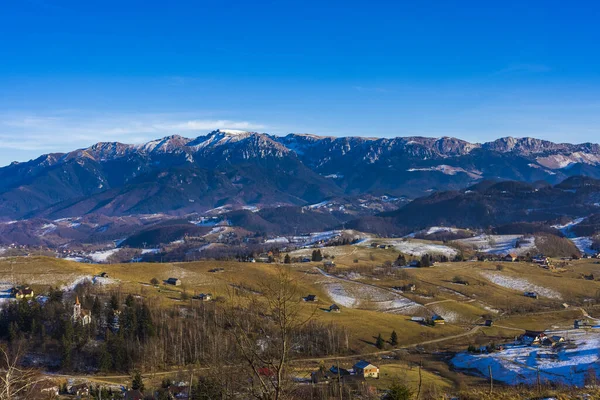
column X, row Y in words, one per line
column 415, row 305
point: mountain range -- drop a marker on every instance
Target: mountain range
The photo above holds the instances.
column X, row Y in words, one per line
column 180, row 175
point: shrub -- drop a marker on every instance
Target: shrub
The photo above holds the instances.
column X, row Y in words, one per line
column 398, row 391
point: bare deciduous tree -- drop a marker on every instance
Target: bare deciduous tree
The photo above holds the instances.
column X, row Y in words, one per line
column 15, row 382
column 266, row 348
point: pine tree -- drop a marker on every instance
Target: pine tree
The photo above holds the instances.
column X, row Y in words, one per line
column 137, row 382
column 379, row 342
column 394, row 338
column 425, row 261
column 287, row 259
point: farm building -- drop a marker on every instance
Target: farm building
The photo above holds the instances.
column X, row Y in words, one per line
column 438, row 320
column 334, row 308
column 204, row 296
column 173, row 281
column 366, row 369
column 22, row 292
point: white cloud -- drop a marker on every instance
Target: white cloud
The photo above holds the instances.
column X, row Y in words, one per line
column 65, row 131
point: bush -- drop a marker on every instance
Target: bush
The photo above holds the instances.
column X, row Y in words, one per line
column 154, row 281
column 499, row 267
column 398, row 391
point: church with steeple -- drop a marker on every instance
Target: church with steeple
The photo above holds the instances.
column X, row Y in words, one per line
column 79, row 314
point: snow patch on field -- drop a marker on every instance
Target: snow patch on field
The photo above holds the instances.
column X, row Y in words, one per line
column 518, row 364
column 278, row 240
column 78, row 281
column 413, row 247
column 566, row 228
column 357, row 295
column 520, row 284
column 500, row 244
column 102, row 256
column 584, row 244
column 150, row 251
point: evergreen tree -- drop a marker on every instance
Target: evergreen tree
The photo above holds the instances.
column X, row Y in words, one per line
column 137, row 383
column 106, row 361
column 114, row 302
column 129, row 300
column 287, row 259
column 96, row 308
column 394, row 338
column 401, row 260
column 398, row 392
column 379, row 342
column 317, row 256
column 425, row 261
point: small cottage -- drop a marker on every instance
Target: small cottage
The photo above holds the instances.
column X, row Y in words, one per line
column 511, row 257
column 438, row 320
column 532, row 337
column 311, row 298
column 488, row 322
column 204, row 296
column 173, row 281
column 366, row 369
column 334, row 308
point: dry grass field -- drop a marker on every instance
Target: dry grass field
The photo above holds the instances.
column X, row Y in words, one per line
column 361, row 286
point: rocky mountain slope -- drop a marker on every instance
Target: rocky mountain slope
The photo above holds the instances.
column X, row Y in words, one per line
column 179, row 175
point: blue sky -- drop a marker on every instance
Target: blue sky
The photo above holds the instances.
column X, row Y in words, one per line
column 74, row 73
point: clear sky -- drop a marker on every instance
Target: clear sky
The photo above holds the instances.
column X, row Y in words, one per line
column 76, row 72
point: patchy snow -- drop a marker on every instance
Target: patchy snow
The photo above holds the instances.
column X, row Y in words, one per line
column 318, row 205
column 75, row 259
column 47, row 228
column 500, row 244
column 102, row 256
column 203, row 221
column 438, row 229
column 519, row 284
column 150, row 251
column 413, row 247
column 560, row 161
column 359, row 295
column 518, row 364
column 448, row 170
column 78, row 281
column 432, row 230
column 566, row 228
column 278, row 240
column 584, row 244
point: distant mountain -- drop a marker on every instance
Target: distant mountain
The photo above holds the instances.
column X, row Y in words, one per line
column 494, row 204
column 178, row 175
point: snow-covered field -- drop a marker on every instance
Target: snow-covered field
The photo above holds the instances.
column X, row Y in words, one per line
column 518, row 364
column 359, row 295
column 520, row 284
column 432, row 230
column 413, row 247
column 306, row 240
column 102, row 256
column 584, row 244
column 150, row 251
column 500, row 244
